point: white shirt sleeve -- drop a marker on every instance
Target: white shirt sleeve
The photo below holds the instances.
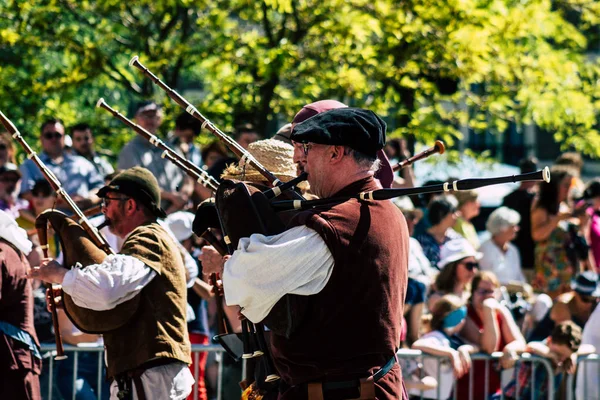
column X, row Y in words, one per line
column 104, row 286
column 265, row 268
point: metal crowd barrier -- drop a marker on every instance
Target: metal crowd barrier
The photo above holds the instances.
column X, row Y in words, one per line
column 582, row 365
column 405, row 354
column 418, row 356
column 50, row 350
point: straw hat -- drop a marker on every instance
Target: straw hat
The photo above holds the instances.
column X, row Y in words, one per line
column 276, row 156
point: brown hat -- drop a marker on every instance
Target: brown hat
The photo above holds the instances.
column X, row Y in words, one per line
column 137, row 183
column 275, row 155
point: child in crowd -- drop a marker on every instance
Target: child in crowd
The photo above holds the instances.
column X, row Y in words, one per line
column 447, row 318
column 558, row 348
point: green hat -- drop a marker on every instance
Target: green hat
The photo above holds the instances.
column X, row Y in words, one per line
column 137, row 183
column 361, row 130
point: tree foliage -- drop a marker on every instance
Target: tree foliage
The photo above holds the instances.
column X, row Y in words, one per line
column 429, row 67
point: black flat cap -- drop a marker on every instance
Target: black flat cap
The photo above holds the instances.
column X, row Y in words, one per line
column 137, row 183
column 359, row 129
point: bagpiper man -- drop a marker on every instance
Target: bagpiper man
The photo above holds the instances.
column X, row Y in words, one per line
column 147, row 357
column 346, row 265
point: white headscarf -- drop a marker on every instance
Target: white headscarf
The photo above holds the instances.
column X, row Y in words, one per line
column 13, row 233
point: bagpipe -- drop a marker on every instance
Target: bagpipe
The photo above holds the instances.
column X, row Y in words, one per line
column 81, row 242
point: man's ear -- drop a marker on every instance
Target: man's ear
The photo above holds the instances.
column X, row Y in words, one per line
column 337, row 153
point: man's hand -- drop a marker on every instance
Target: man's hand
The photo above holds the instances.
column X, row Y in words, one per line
column 49, row 271
column 212, row 261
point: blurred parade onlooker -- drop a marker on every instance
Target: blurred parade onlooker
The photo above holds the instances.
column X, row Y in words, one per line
column 213, row 153
column 284, row 133
column 499, row 255
column 419, row 267
column 492, row 327
column 7, row 150
column 458, row 265
column 549, row 228
column 77, row 175
column 448, row 318
column 180, row 224
column 10, row 183
column 84, row 146
column 21, row 360
column 588, row 384
column 520, row 200
column 246, row 134
column 441, row 214
column 592, row 195
column 575, row 305
column 468, row 208
column 140, row 152
column 187, row 128
column 558, row 347
column 575, row 162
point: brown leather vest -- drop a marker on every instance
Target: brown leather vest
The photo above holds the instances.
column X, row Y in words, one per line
column 352, row 327
column 158, row 327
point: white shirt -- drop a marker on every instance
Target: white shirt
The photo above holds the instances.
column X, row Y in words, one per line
column 506, row 266
column 431, row 365
column 265, row 268
column 104, row 286
column 419, row 266
column 587, row 372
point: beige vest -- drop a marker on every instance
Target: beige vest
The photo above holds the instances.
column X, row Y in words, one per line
column 157, row 328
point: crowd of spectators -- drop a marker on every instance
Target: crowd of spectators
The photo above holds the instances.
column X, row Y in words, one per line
column 528, row 283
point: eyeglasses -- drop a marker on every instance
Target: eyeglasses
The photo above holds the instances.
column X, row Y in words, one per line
column 306, row 147
column 83, row 139
column 52, row 135
column 39, row 194
column 106, row 200
column 470, row 265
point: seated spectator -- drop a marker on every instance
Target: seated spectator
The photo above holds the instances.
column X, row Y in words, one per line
column 441, row 214
column 448, row 318
column 413, row 309
column 419, row 267
column 246, row 134
column 468, row 208
column 77, row 175
column 500, row 256
column 558, row 348
column 458, row 266
column 576, row 305
column 491, row 327
column 213, row 152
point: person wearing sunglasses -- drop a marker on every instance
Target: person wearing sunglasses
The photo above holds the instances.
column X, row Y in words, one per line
column 490, row 326
column 77, row 175
column 150, row 352
column 458, row 265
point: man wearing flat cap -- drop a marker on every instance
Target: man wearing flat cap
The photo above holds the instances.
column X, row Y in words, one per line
column 345, row 266
column 150, row 353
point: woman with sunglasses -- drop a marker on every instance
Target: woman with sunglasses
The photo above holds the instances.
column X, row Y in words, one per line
column 458, row 265
column 492, row 327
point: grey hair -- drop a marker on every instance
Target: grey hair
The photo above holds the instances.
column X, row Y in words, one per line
column 365, row 161
column 502, row 219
